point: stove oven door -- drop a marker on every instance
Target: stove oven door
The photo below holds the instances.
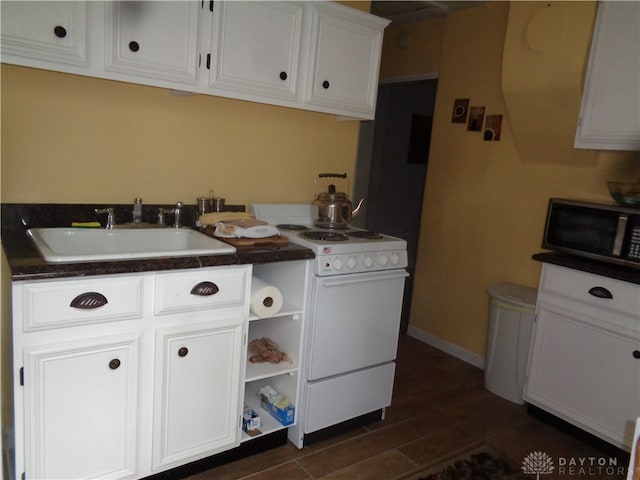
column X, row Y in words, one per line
column 355, row 322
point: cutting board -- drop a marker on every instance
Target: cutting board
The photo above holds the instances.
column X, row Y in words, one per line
column 273, row 241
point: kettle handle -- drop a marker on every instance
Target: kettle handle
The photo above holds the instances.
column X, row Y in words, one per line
column 336, row 175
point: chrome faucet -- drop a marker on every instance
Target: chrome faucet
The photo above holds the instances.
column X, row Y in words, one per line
column 176, row 217
column 110, row 217
column 176, row 214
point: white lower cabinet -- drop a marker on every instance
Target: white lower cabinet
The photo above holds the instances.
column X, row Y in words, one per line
column 130, row 392
column 584, row 362
column 197, row 390
column 72, row 391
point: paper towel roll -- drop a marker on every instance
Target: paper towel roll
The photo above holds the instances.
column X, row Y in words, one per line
column 266, row 300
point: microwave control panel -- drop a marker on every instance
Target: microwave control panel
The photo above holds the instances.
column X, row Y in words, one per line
column 634, row 244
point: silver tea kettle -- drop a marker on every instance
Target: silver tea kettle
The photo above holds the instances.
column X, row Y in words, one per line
column 333, row 209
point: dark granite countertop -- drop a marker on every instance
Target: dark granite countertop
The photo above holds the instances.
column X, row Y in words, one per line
column 618, row 272
column 26, row 263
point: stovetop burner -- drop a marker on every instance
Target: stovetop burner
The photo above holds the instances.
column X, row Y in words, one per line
column 292, row 226
column 325, row 236
column 366, row 234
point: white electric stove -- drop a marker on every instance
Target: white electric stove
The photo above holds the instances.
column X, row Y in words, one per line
column 353, row 321
column 338, row 251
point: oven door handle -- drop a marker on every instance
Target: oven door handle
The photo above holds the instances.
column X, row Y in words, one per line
column 362, row 278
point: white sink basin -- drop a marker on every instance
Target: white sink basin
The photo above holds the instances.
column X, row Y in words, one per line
column 88, row 244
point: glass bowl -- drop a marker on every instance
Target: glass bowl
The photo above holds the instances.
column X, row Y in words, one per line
column 625, row 193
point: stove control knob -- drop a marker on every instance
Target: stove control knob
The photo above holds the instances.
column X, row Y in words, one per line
column 351, row 263
column 383, row 260
column 338, row 264
column 368, row 261
column 395, row 258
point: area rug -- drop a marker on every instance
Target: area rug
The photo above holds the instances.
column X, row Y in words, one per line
column 480, row 463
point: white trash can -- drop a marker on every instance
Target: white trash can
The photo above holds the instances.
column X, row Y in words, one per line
column 511, row 311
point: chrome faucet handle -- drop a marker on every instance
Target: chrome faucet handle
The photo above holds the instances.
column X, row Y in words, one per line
column 161, row 213
column 110, row 216
column 176, row 212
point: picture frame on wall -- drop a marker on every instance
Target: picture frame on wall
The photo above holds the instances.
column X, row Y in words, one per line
column 460, row 110
column 476, row 117
column 493, row 128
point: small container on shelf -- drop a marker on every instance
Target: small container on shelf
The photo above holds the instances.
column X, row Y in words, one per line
column 250, row 422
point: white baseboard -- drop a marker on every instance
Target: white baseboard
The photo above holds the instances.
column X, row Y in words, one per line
column 447, row 347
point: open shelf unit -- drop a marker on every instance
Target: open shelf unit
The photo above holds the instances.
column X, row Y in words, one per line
column 286, row 329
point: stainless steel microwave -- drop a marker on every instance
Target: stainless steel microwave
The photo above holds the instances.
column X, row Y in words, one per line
column 603, row 232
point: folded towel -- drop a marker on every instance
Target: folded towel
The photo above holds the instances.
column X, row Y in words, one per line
column 215, row 217
column 236, row 228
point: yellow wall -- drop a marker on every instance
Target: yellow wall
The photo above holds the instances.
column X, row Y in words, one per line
column 412, row 48
column 72, row 139
column 485, row 202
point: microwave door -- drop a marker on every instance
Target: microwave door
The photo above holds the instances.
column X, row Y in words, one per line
column 581, row 229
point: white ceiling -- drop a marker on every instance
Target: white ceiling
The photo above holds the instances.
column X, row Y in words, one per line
column 402, row 11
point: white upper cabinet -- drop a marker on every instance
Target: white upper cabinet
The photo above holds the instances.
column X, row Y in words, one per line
column 45, row 34
column 610, row 113
column 256, row 48
column 157, row 40
column 318, row 56
column 344, row 60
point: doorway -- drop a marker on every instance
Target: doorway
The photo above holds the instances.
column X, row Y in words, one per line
column 391, row 167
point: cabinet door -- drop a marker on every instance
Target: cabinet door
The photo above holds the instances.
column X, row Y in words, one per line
column 344, row 57
column 157, row 40
column 256, row 48
column 610, row 113
column 585, row 374
column 49, row 33
column 81, row 405
column 197, row 397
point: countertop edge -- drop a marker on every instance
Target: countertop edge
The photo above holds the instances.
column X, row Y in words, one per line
column 617, row 272
column 25, row 263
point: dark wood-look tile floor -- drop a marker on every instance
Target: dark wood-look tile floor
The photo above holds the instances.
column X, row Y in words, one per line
column 440, row 407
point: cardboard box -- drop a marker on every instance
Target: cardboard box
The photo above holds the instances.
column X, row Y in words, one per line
column 285, row 416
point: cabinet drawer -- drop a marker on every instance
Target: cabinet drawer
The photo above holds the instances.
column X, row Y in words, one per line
column 325, row 400
column 200, row 290
column 76, row 302
column 588, row 288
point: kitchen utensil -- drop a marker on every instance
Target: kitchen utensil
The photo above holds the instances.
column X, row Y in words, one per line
column 626, row 194
column 334, row 209
column 217, row 204
column 204, row 205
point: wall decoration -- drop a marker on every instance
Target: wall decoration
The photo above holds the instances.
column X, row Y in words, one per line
column 492, row 128
column 476, row 116
column 420, row 138
column 460, row 110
